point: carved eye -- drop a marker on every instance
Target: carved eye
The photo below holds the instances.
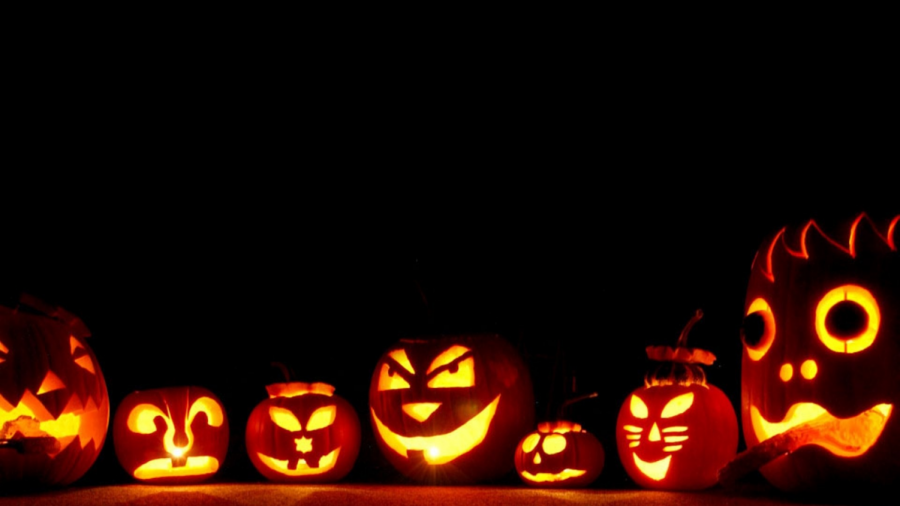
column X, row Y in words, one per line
column 678, row 405
column 388, row 378
column 321, row 418
column 142, row 419
column 530, row 442
column 638, row 408
column 210, row 408
column 461, row 374
column 82, row 359
column 847, row 319
column 758, row 329
column 553, row 444
column 284, row 419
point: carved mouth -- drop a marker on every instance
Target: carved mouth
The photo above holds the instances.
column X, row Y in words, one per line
column 442, row 448
column 810, row 423
column 653, row 470
column 326, row 463
column 553, row 477
column 163, row 468
column 31, row 419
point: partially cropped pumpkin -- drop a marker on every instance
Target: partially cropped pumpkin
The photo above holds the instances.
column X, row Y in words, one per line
column 303, row 433
column 820, row 377
column 559, row 454
column 451, row 409
column 173, row 435
column 677, row 431
column 54, row 406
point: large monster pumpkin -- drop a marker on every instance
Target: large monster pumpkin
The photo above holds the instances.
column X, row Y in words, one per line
column 451, row 409
column 677, row 431
column 559, row 454
column 54, row 406
column 821, row 364
column 303, row 433
column 172, row 435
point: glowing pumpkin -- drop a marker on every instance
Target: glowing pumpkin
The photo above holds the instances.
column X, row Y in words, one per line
column 559, row 454
column 54, row 406
column 303, row 433
column 819, row 379
column 451, row 409
column 172, row 435
column 677, row 431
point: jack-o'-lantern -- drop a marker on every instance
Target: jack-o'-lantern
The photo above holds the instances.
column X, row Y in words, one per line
column 173, row 435
column 820, row 377
column 303, row 433
column 54, row 406
column 677, row 431
column 559, row 454
column 451, row 409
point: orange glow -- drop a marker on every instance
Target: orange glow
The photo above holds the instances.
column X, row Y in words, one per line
column 420, row 411
column 553, row 444
column 761, row 307
column 464, row 376
column 891, row 233
column 653, row 470
column 388, row 381
column 860, row 296
column 786, row 372
column 51, row 382
column 809, row 369
column 83, row 361
column 141, row 420
column 297, row 388
column 678, row 405
column 443, row 448
column 847, row 437
column 326, row 463
column 447, row 357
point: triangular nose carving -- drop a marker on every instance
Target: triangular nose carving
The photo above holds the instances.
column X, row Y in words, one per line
column 420, row 411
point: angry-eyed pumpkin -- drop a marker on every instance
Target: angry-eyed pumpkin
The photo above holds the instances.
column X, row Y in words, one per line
column 173, row 435
column 559, row 454
column 452, row 408
column 303, row 433
column 677, row 431
column 54, row 406
column 820, row 379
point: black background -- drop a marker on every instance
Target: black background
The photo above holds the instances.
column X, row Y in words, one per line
column 204, row 224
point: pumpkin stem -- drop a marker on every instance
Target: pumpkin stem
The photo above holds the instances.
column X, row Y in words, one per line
column 682, row 339
column 284, row 371
column 566, row 404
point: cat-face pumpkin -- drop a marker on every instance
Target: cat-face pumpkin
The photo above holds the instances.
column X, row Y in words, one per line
column 676, row 437
column 451, row 409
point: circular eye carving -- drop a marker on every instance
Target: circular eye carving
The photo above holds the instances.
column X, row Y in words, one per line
column 758, row 329
column 847, row 319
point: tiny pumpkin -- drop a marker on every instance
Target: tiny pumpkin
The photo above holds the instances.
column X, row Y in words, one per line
column 303, row 433
column 174, row 435
column 559, row 454
column 54, row 405
column 452, row 408
column 677, row 431
column 821, row 343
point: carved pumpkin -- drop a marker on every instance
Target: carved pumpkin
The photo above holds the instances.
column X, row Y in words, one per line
column 821, row 351
column 54, row 406
column 451, row 409
column 677, row 431
column 303, row 433
column 172, row 435
column 559, row 454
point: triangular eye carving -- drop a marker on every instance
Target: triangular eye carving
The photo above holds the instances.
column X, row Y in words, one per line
column 455, row 368
column 51, row 382
column 79, row 354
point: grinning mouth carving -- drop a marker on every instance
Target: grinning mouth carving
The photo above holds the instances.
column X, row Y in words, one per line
column 30, row 419
column 326, row 463
column 809, row 423
column 445, row 447
column 653, row 470
column 165, row 468
column 552, row 477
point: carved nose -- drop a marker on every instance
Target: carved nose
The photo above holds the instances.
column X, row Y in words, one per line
column 654, row 433
column 420, row 411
